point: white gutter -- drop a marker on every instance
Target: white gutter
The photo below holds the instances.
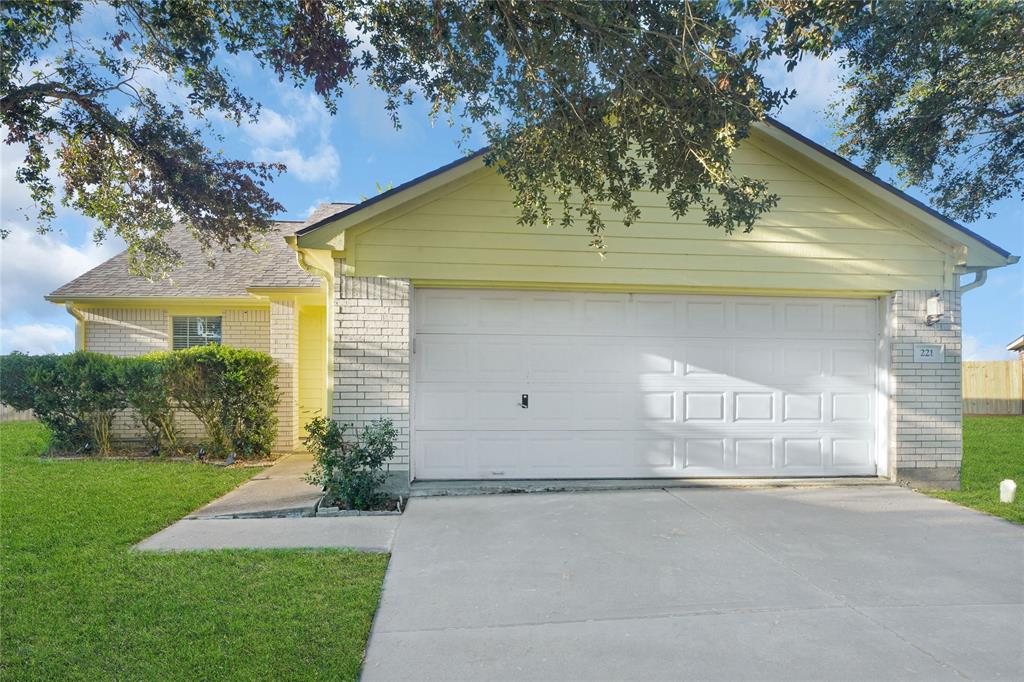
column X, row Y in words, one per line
column 79, row 324
column 980, row 273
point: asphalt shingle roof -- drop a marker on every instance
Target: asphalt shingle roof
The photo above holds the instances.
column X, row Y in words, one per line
column 275, row 265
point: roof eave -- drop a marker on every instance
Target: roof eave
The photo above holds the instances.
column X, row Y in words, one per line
column 982, row 252
column 167, row 301
column 307, row 236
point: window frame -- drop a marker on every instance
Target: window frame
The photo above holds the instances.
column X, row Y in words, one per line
column 192, row 337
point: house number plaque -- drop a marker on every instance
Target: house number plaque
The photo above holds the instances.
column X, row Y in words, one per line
column 929, row 352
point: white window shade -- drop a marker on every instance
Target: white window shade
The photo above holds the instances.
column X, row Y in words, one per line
column 195, row 331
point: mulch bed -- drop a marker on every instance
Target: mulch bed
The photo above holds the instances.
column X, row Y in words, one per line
column 144, row 456
column 392, row 504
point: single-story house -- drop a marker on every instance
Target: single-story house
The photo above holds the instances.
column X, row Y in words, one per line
column 1017, row 345
column 824, row 343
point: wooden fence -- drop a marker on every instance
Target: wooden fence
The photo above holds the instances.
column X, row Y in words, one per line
column 9, row 414
column 993, row 387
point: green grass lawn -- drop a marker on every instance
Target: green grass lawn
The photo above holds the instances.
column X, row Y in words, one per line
column 993, row 450
column 77, row 603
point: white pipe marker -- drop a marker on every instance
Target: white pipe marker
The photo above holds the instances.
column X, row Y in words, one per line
column 1007, row 491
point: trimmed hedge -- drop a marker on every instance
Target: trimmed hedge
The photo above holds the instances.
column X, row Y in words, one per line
column 14, row 388
column 231, row 391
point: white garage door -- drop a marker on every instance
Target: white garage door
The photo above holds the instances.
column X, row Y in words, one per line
column 631, row 385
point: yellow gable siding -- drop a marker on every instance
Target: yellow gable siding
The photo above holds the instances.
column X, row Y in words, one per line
column 817, row 239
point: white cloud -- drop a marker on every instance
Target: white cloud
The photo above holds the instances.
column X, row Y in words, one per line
column 37, row 339
column 323, row 164
column 33, row 264
column 271, row 128
column 975, row 349
column 310, row 157
column 817, row 83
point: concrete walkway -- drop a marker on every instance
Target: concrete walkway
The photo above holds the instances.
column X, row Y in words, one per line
column 365, row 533
column 278, row 491
column 271, row 511
column 830, row 583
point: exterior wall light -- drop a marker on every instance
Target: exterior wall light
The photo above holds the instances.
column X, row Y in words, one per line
column 933, row 309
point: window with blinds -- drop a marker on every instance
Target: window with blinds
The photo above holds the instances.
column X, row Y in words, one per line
column 195, row 331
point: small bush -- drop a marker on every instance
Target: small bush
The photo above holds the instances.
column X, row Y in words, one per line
column 14, row 387
column 146, row 390
column 351, row 471
column 77, row 396
column 231, row 391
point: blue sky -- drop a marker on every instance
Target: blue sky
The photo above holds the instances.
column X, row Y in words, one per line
column 345, row 157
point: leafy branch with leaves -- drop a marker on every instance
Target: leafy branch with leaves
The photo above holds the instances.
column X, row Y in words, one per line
column 583, row 102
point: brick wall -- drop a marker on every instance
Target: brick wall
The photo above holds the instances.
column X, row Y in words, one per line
column 246, row 329
column 371, row 355
column 924, row 419
column 129, row 332
column 126, row 332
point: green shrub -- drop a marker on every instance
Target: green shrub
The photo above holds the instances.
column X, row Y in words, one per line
column 231, row 391
column 14, row 387
column 77, row 396
column 351, row 471
column 146, row 390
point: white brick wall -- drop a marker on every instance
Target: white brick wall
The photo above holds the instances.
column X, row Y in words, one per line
column 371, row 354
column 126, row 332
column 130, row 332
column 246, row 329
column 925, row 408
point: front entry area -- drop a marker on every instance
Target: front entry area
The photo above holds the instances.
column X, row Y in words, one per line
column 548, row 385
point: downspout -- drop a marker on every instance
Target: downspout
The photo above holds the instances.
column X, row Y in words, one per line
column 79, row 324
column 327, row 279
column 980, row 276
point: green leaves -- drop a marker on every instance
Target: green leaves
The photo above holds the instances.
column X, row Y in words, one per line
column 935, row 89
column 585, row 103
column 350, row 470
column 231, row 391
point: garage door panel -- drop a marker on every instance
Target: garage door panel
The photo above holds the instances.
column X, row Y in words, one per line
column 654, row 316
column 707, row 358
column 753, row 406
column 754, row 454
column 641, row 385
column 755, row 317
column 703, row 407
column 802, row 453
column 706, row 316
column 852, row 407
column 581, row 406
column 801, row 407
column 613, row 454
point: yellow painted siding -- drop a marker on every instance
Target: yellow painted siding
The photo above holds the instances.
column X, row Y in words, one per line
column 312, row 364
column 820, row 237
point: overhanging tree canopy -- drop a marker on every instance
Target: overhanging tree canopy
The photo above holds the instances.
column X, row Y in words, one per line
column 583, row 102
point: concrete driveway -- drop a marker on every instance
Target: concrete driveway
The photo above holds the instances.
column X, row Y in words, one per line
column 812, row 583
